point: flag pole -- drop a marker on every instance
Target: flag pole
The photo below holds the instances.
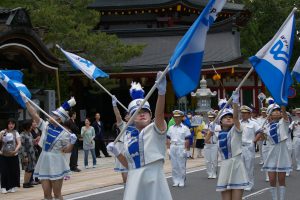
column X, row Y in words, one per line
column 99, row 84
column 40, row 109
column 143, row 102
column 237, row 89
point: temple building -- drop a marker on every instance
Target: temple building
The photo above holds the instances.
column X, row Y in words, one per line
column 159, row 25
column 22, row 49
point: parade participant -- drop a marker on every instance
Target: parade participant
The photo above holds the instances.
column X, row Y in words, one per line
column 120, row 144
column 250, row 129
column 74, row 155
column 278, row 161
column 211, row 147
column 295, row 127
column 10, row 169
column 177, row 144
column 27, row 153
column 145, row 148
column 233, row 177
column 260, row 121
column 52, row 167
column 265, row 141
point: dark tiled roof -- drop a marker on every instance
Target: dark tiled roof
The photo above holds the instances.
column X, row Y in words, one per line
column 220, row 48
column 123, row 4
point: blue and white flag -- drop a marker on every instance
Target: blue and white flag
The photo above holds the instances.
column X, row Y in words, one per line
column 14, row 87
column 186, row 61
column 87, row 67
column 296, row 70
column 272, row 61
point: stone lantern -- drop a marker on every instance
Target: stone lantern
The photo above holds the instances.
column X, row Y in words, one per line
column 203, row 96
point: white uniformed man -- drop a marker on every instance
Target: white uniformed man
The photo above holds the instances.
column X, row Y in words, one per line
column 178, row 139
column 250, row 129
column 211, row 146
column 295, row 127
column 261, row 120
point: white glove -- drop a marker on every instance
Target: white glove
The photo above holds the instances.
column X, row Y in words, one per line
column 162, row 85
column 73, row 138
column 114, row 101
column 211, row 127
column 112, row 148
column 235, row 97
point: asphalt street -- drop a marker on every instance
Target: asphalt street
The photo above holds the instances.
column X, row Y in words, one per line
column 200, row 188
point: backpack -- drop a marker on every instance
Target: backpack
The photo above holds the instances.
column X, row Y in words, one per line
column 9, row 143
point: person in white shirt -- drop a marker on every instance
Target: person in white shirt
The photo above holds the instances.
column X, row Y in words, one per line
column 260, row 120
column 145, row 148
column 211, row 147
column 177, row 143
column 278, row 162
column 295, row 127
column 233, row 177
column 250, row 129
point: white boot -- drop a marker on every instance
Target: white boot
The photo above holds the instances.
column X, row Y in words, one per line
column 281, row 192
column 274, row 193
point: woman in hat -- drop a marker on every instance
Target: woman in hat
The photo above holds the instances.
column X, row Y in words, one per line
column 278, row 161
column 145, row 148
column 55, row 141
column 233, row 177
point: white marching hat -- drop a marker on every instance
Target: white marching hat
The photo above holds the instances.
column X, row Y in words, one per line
column 62, row 111
column 226, row 111
column 272, row 107
column 137, row 94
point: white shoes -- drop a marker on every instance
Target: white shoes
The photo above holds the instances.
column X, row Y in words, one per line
column 94, row 166
column 181, row 185
column 12, row 190
column 298, row 169
column 175, row 185
column 214, row 176
column 3, row 191
column 267, row 179
column 86, row 167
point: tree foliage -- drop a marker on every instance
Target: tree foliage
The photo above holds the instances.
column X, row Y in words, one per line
column 266, row 18
column 70, row 24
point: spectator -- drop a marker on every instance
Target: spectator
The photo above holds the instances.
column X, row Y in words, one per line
column 10, row 174
column 27, row 153
column 99, row 138
column 88, row 134
column 74, row 155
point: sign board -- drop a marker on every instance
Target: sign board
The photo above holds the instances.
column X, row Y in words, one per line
column 196, row 120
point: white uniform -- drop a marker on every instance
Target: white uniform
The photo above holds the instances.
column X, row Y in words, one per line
column 52, row 141
column 120, row 146
column 211, row 153
column 295, row 126
column 145, row 152
column 233, row 173
column 278, row 159
column 250, row 129
column 178, row 135
column 261, row 120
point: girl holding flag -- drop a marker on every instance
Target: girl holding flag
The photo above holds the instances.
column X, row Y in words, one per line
column 145, row 148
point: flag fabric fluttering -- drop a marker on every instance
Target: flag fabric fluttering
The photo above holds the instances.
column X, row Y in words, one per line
column 186, row 62
column 296, row 70
column 14, row 86
column 272, row 61
column 86, row 66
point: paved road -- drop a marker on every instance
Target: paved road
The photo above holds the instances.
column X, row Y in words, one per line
column 199, row 187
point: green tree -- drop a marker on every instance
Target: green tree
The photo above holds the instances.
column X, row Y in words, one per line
column 70, row 24
column 266, row 18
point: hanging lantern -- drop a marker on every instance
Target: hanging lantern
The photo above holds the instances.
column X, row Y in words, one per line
column 216, row 77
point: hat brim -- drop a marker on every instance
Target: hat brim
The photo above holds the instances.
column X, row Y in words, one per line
column 211, row 116
column 245, row 111
column 176, row 115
